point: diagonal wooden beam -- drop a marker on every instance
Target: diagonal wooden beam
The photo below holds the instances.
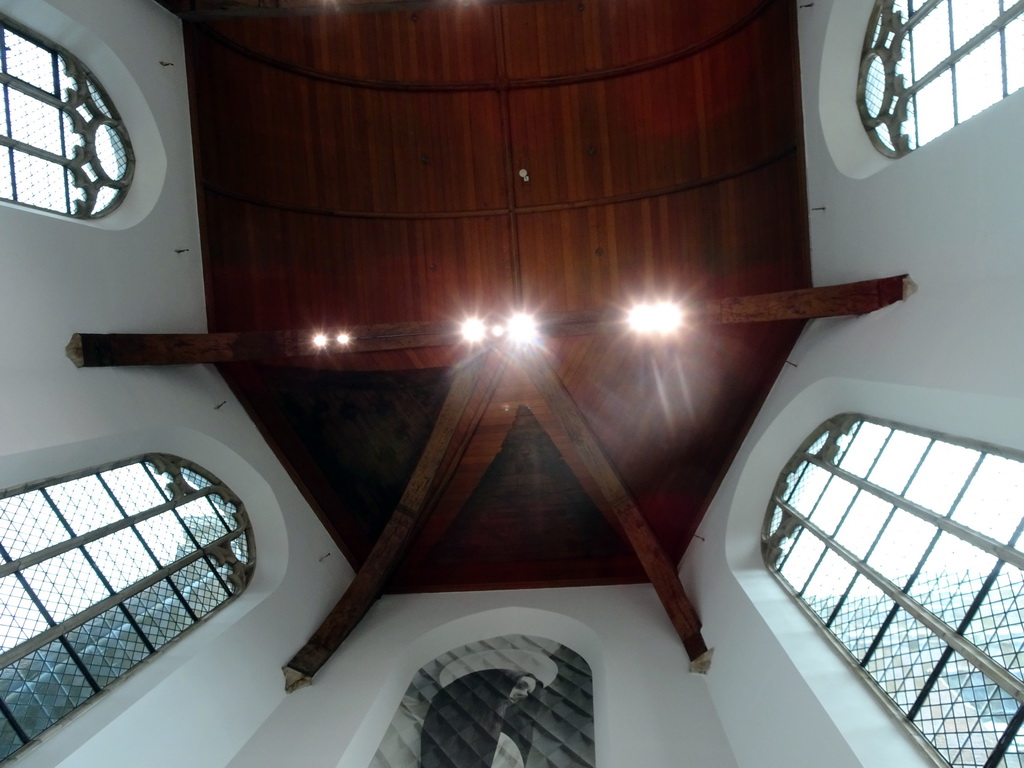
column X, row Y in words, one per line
column 207, row 10
column 386, row 554
column 660, row 570
column 94, row 350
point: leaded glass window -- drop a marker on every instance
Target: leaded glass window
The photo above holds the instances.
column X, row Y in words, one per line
column 931, row 64
column 101, row 569
column 906, row 545
column 63, row 146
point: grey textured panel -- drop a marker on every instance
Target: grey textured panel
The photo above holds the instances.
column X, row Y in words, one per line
column 460, row 711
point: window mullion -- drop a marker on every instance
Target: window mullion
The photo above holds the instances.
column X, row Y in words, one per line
column 98, row 533
column 807, row 460
column 13, row 721
column 28, row 149
column 63, row 131
column 969, row 615
column 139, row 518
column 1000, row 21
column 1005, row 740
column 30, row 90
column 37, row 642
column 929, row 684
column 952, row 67
column 979, row 540
column 882, row 528
column 879, row 635
column 995, row 672
column 7, row 109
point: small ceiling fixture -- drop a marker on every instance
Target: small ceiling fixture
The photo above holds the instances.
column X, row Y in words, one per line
column 320, row 341
column 663, row 317
column 474, row 330
column 522, row 329
column 344, row 338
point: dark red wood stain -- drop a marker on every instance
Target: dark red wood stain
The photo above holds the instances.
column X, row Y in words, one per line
column 365, row 168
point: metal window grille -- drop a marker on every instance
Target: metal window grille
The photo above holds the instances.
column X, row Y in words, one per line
column 929, row 65
column 99, row 570
column 906, row 545
column 63, row 146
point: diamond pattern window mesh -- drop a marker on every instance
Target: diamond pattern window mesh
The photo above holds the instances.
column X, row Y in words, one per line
column 905, row 546
column 63, row 146
column 100, row 570
column 928, row 65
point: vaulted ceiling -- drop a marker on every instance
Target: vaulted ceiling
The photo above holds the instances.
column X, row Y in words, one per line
column 428, row 163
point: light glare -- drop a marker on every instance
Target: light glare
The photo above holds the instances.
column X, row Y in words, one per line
column 522, row 329
column 344, row 338
column 320, row 340
column 662, row 318
column 473, row 330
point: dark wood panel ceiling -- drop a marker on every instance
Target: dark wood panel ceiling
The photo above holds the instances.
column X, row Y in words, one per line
column 366, row 168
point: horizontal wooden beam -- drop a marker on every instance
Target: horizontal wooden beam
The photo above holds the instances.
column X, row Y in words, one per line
column 828, row 301
column 90, row 350
column 97, row 350
column 387, row 552
column 659, row 569
column 206, row 10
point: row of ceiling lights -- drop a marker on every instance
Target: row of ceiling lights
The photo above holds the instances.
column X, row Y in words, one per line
column 662, row 318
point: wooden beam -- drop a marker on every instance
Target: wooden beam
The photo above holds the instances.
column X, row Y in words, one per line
column 207, row 10
column 829, row 301
column 660, row 570
column 97, row 350
column 387, row 552
column 90, row 350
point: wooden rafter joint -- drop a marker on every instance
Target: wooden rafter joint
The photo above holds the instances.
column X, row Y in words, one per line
column 93, row 350
column 474, row 380
column 659, row 568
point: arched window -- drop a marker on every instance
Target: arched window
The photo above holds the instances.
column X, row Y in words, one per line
column 100, row 570
column 63, row 146
column 931, row 64
column 906, row 545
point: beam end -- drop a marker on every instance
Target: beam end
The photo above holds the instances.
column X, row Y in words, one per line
column 74, row 350
column 701, row 664
column 909, row 288
column 294, row 680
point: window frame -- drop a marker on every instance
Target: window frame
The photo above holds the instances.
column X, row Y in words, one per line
column 218, row 553
column 791, row 522
column 883, row 43
column 88, row 108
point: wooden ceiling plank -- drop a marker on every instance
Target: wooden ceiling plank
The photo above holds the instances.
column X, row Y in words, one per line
column 660, row 570
column 90, row 350
column 209, row 10
column 386, row 554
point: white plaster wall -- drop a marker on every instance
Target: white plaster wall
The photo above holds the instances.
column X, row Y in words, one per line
column 950, row 358
column 649, row 711
column 198, row 701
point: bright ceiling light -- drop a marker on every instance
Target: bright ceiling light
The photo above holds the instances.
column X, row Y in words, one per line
column 474, row 330
column 498, row 331
column 344, row 338
column 320, row 340
column 522, row 329
column 662, row 318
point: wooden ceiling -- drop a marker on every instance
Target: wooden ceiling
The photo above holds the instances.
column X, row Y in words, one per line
column 362, row 168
